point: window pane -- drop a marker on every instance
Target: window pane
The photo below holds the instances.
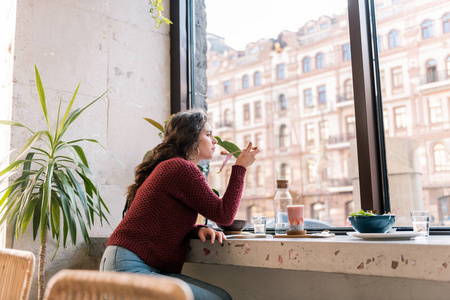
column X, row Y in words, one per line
column 416, row 108
column 305, row 129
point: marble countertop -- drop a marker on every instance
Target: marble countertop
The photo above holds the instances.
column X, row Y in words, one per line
column 419, row 258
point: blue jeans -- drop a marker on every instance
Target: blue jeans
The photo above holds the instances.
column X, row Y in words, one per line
column 120, row 259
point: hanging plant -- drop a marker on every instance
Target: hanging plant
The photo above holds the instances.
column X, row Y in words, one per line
column 156, row 9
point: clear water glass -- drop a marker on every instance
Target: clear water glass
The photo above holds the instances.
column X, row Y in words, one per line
column 259, row 224
column 421, row 221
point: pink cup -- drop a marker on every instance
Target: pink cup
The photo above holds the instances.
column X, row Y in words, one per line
column 295, row 215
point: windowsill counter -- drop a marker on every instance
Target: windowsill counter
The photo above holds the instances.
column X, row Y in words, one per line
column 420, row 258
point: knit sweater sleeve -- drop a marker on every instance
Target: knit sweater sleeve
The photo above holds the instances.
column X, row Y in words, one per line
column 195, row 192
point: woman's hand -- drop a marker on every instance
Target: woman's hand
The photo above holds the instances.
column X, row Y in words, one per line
column 248, row 156
column 204, row 232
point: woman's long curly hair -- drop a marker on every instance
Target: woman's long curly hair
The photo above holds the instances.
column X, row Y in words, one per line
column 181, row 139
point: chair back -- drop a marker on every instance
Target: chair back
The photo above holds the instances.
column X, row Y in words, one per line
column 16, row 273
column 93, row 285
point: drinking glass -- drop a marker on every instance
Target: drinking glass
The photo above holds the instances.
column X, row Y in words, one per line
column 421, row 221
column 259, row 224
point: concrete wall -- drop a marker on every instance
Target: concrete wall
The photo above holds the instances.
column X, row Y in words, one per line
column 245, row 283
column 107, row 45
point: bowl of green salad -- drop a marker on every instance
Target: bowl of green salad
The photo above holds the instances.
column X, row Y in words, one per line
column 371, row 222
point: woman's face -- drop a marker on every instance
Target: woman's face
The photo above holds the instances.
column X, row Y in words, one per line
column 206, row 143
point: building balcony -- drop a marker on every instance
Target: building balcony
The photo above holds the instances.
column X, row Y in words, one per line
column 343, row 101
column 434, row 81
column 339, row 140
column 224, row 126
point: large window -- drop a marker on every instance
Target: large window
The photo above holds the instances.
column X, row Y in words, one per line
column 306, row 64
column 393, row 39
column 257, row 78
column 427, row 29
column 322, row 92
column 415, row 103
column 280, row 71
column 435, row 108
column 397, row 78
column 346, row 52
column 308, row 98
column 431, row 71
column 320, row 61
column 446, row 22
column 245, row 82
column 400, row 118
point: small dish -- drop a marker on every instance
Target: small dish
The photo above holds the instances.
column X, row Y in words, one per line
column 372, row 224
column 235, row 228
column 398, row 235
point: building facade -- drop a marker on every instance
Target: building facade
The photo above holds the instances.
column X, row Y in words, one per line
column 293, row 97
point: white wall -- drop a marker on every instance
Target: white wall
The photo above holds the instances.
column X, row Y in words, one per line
column 109, row 45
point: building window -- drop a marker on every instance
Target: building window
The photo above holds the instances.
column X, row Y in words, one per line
column 350, row 124
column 245, row 82
column 284, row 137
column 259, row 176
column 394, row 40
column 446, row 21
column 283, row 102
column 306, row 65
column 400, row 117
column 210, row 92
column 308, row 98
column 386, row 120
column 311, row 173
column 379, row 43
column 397, row 78
column 448, row 66
column 226, row 87
column 280, row 71
column 259, row 141
column 309, row 134
column 440, row 157
column 257, row 78
column 321, row 90
column 348, row 89
column 435, row 108
column 431, row 71
column 227, row 117
column 284, row 171
column 258, row 110
column 320, row 61
column 247, row 140
column 427, row 29
column 346, row 53
column 383, row 82
column 324, row 132
column 246, row 112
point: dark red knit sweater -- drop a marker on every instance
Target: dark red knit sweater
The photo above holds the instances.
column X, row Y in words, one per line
column 162, row 217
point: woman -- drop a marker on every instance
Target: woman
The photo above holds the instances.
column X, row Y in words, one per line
column 163, row 203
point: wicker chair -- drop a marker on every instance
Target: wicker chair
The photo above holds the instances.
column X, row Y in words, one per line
column 16, row 273
column 93, row 285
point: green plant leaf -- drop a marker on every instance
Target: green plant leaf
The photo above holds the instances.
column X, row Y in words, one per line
column 69, row 107
column 41, row 93
column 156, row 124
column 12, row 166
column 28, row 214
column 35, row 137
column 17, row 124
column 229, row 146
column 47, row 189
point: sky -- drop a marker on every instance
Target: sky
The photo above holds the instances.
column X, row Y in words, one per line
column 244, row 21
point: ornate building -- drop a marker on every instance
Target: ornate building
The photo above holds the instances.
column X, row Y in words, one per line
column 293, row 97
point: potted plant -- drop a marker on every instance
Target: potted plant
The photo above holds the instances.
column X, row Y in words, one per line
column 55, row 188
